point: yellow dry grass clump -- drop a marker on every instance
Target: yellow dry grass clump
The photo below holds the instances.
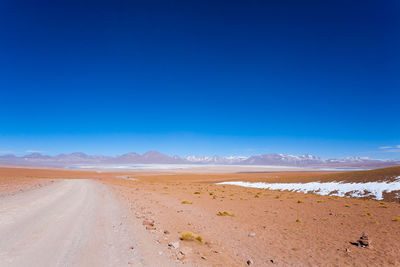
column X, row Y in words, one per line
column 225, row 213
column 186, row 202
column 189, row 236
column 197, row 193
column 396, row 219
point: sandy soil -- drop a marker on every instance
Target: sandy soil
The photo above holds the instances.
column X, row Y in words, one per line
column 268, row 227
column 10, row 185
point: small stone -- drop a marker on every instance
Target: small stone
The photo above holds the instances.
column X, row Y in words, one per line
column 166, row 232
column 180, row 256
column 185, row 250
column 132, row 247
column 148, row 222
column 363, row 241
column 174, row 245
column 249, row 262
column 272, row 261
column 252, row 234
column 150, row 227
column 203, row 257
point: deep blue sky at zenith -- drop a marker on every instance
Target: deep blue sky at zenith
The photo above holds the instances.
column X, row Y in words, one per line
column 201, row 77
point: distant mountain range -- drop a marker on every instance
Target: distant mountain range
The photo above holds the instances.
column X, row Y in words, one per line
column 155, row 157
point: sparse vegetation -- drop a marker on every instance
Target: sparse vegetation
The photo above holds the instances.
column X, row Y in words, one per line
column 299, row 201
column 396, row 219
column 197, row 193
column 225, row 213
column 368, row 214
column 189, row 236
column 186, row 202
column 298, row 220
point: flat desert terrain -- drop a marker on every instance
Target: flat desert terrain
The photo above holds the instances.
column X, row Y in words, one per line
column 51, row 217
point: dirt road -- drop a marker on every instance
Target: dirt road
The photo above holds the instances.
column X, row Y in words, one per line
column 73, row 222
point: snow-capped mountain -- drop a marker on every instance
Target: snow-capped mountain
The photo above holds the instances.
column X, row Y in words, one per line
column 155, row 157
column 216, row 159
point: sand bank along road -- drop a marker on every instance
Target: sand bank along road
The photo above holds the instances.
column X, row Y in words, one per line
column 68, row 223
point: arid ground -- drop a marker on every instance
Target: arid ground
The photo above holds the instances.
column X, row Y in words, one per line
column 52, row 217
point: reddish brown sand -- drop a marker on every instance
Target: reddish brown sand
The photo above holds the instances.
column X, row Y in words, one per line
column 268, row 227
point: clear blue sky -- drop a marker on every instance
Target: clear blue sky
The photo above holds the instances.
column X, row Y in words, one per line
column 201, row 77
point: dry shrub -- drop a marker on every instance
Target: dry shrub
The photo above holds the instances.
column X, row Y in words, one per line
column 189, row 236
column 186, row 202
column 225, row 213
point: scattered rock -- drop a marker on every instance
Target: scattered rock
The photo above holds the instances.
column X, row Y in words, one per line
column 180, row 256
column 174, row 245
column 272, row 261
column 150, row 227
column 148, row 222
column 203, row 257
column 166, row 232
column 249, row 262
column 363, row 241
column 185, row 250
column 252, row 234
column 132, row 247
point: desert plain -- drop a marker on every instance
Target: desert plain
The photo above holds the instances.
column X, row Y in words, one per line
column 57, row 217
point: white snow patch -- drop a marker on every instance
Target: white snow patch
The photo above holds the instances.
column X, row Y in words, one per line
column 341, row 189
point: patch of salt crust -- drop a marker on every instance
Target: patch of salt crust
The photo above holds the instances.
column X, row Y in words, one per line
column 341, row 189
